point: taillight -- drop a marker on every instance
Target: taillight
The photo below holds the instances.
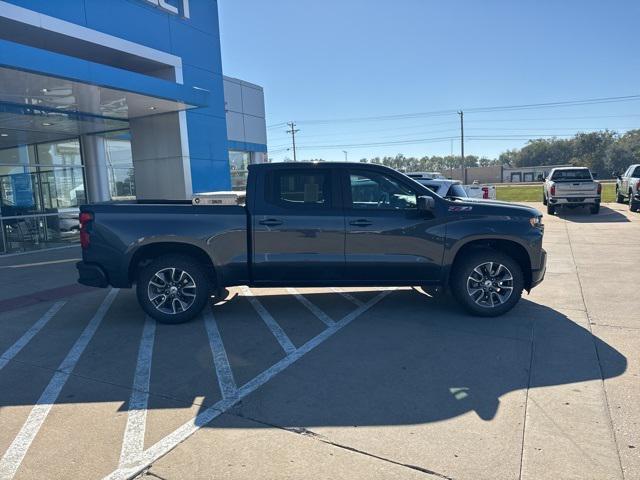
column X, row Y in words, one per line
column 485, row 192
column 599, row 188
column 85, row 218
column 553, row 190
column 638, row 188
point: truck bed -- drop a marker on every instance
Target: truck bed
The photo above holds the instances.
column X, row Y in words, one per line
column 122, row 228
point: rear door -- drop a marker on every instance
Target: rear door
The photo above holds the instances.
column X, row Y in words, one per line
column 387, row 239
column 298, row 227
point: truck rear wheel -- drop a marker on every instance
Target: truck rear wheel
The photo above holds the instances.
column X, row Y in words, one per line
column 173, row 289
column 595, row 209
column 619, row 198
column 551, row 210
column 487, row 282
column 633, row 205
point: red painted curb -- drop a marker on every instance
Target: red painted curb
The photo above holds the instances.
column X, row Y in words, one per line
column 44, row 296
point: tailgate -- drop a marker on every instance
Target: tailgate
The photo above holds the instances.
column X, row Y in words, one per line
column 575, row 189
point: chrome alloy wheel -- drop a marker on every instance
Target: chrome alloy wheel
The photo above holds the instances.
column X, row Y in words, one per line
column 171, row 291
column 490, row 284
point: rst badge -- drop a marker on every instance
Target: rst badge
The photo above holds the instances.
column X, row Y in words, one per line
column 460, row 209
column 167, row 7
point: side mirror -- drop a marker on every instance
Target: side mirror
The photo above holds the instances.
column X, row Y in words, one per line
column 594, row 174
column 426, row 203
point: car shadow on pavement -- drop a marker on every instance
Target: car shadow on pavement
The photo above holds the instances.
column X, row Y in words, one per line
column 410, row 359
column 422, row 360
column 583, row 215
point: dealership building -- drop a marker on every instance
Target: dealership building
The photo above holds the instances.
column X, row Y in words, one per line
column 115, row 99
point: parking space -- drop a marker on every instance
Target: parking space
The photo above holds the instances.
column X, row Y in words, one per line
column 334, row 383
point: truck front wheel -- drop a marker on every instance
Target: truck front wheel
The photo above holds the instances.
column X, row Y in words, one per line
column 487, row 282
column 173, row 289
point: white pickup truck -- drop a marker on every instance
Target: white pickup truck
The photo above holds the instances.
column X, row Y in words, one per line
column 628, row 187
column 571, row 187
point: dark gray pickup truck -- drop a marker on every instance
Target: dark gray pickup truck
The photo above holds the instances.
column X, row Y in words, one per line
column 314, row 224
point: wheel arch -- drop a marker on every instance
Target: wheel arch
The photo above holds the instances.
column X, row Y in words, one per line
column 149, row 252
column 509, row 247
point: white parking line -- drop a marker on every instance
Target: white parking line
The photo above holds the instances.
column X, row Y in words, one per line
column 328, row 321
column 13, row 457
column 276, row 329
column 348, row 296
column 169, row 442
column 221, row 362
column 133, row 441
column 14, row 349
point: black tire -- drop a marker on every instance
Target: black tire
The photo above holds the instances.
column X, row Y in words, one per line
column 633, row 205
column 463, row 271
column 544, row 199
column 161, row 270
column 595, row 209
column 551, row 210
column 619, row 198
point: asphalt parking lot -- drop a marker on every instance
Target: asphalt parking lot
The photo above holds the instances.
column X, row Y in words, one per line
column 322, row 383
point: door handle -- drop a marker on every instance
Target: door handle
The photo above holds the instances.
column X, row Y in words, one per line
column 270, row 222
column 360, row 223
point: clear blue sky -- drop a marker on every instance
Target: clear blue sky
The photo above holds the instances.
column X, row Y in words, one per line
column 341, row 59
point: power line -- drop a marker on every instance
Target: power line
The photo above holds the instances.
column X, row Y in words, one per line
column 426, row 140
column 566, row 103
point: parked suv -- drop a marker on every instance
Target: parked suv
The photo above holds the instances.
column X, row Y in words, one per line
column 571, row 187
column 628, row 187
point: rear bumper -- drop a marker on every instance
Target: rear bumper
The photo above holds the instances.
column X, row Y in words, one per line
column 91, row 275
column 537, row 276
column 574, row 201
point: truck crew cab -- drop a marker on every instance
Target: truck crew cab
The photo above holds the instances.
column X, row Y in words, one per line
column 314, row 225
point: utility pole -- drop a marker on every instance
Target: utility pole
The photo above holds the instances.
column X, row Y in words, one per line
column 464, row 170
column 293, row 132
column 346, row 154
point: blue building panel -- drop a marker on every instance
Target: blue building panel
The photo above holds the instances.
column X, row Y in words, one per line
column 208, row 175
column 135, row 21
column 70, row 10
column 196, row 47
column 207, row 136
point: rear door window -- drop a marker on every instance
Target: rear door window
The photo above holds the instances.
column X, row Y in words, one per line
column 300, row 188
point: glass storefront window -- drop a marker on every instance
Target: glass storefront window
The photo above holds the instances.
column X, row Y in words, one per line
column 35, row 232
column 41, row 188
column 239, row 166
column 120, row 166
column 61, row 153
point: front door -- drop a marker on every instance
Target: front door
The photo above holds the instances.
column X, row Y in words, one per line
column 298, row 229
column 387, row 239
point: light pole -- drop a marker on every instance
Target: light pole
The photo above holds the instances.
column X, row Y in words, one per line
column 346, row 155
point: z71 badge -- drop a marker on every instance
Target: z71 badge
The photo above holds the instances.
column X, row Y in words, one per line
column 460, row 209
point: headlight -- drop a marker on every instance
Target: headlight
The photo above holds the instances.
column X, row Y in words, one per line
column 536, row 222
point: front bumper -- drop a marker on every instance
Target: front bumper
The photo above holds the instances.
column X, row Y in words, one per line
column 574, row 201
column 538, row 275
column 91, row 275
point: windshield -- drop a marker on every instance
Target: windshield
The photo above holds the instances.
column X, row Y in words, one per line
column 457, row 190
column 574, row 174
